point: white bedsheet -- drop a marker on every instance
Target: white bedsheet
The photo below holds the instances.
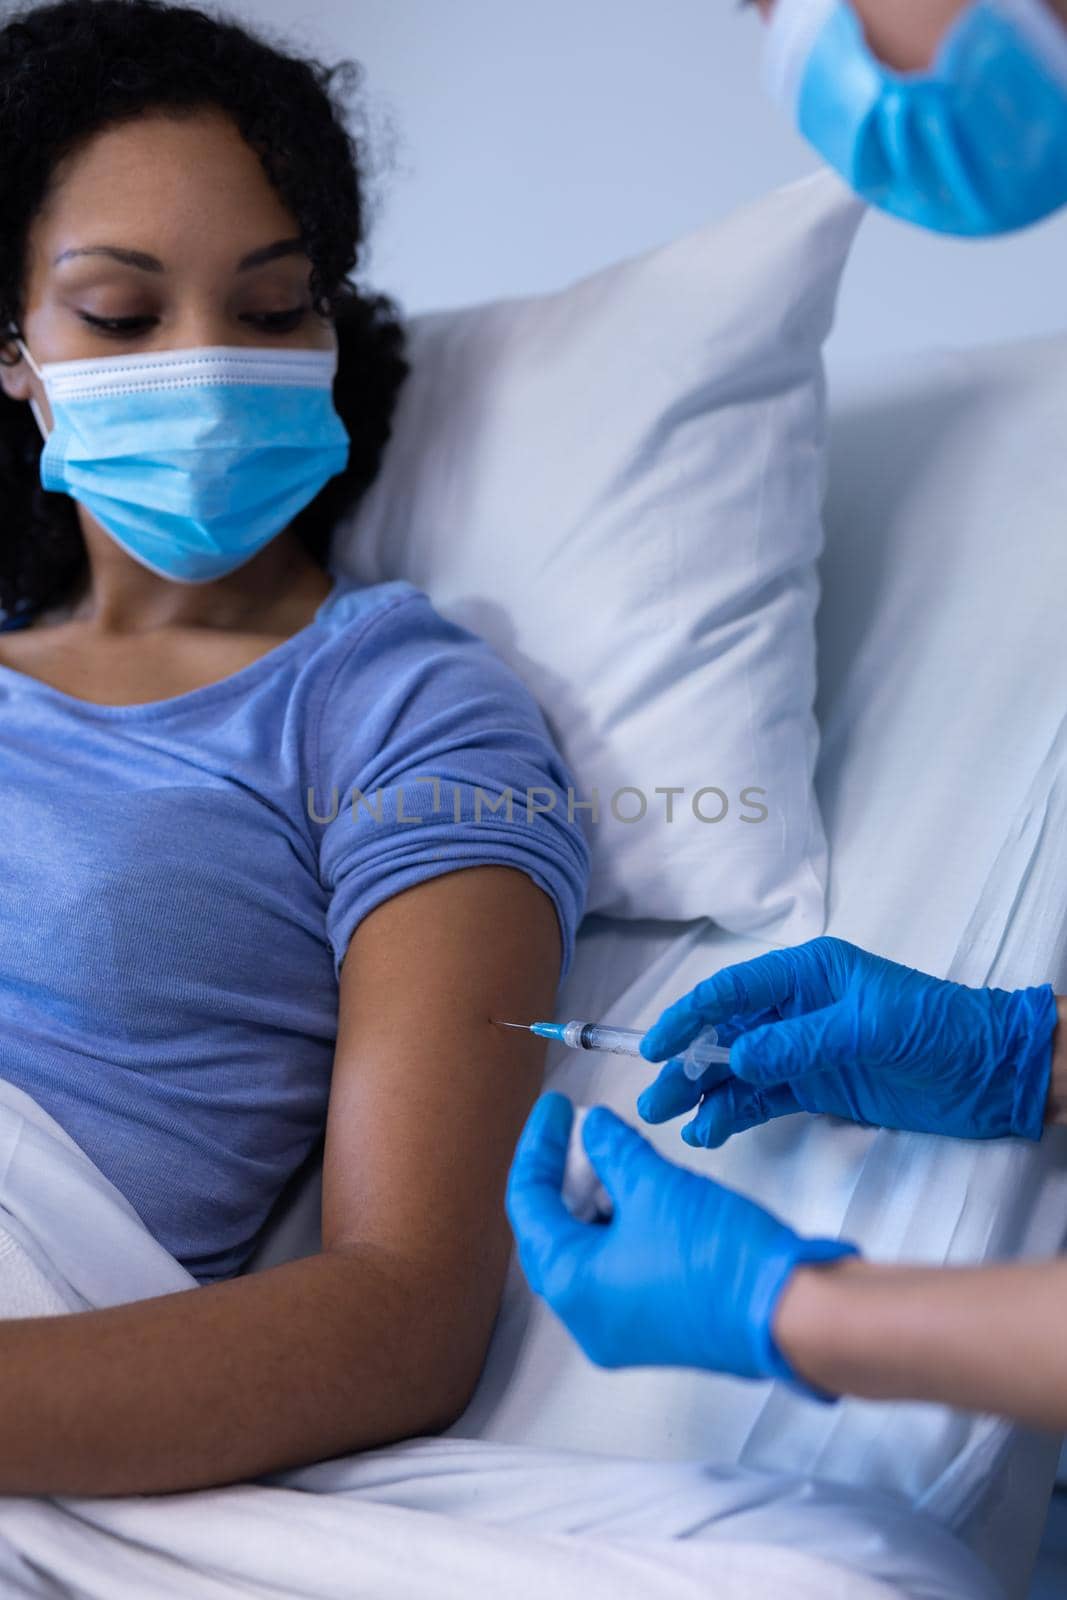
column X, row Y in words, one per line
column 430, row 1519
column 943, row 783
column 899, row 1196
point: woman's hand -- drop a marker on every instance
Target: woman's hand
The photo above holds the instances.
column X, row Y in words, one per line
column 829, row 1028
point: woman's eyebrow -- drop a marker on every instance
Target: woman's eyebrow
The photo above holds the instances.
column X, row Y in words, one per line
column 138, row 258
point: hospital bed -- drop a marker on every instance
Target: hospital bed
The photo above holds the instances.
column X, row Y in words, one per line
column 943, row 785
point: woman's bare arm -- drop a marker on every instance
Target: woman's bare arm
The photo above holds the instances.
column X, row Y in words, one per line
column 383, row 1334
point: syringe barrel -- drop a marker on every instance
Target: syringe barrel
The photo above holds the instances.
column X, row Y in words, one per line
column 696, row 1058
column 595, row 1036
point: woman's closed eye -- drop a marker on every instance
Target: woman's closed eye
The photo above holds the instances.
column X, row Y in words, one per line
column 130, row 327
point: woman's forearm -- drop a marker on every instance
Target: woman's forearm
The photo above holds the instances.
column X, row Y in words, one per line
column 333, row 1353
column 979, row 1338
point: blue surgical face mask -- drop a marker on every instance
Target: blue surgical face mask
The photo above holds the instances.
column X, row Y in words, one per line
column 194, row 459
column 975, row 144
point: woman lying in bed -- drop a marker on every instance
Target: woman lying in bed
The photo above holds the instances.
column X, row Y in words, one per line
column 257, row 858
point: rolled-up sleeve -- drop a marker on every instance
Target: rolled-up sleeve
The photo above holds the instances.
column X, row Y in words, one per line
column 432, row 756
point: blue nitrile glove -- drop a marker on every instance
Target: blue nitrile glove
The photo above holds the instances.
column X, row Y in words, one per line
column 829, row 1028
column 686, row 1273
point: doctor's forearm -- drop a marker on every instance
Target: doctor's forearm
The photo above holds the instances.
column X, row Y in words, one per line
column 978, row 1338
column 1056, row 1109
column 337, row 1352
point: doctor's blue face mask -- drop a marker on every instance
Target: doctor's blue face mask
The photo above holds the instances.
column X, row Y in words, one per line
column 974, row 144
column 193, row 460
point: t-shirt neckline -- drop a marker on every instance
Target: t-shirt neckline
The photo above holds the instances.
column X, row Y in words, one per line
column 234, row 683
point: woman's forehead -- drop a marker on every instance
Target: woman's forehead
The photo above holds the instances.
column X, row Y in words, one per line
column 191, row 181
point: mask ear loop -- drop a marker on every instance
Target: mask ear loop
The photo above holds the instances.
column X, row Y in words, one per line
column 34, row 407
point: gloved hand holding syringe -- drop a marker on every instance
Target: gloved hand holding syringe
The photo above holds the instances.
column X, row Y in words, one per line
column 582, row 1192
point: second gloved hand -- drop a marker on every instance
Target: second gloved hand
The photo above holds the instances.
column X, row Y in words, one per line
column 827, row 1027
column 686, row 1273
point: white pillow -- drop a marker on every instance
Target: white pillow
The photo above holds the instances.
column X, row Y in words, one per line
column 619, row 487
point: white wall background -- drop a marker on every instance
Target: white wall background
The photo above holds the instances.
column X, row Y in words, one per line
column 523, row 144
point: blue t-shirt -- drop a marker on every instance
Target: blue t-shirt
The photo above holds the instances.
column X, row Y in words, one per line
column 180, row 881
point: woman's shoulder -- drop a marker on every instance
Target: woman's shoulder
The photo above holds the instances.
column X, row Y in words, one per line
column 395, row 657
column 352, row 604
column 398, row 621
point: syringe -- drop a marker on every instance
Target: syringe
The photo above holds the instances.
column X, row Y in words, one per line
column 696, row 1058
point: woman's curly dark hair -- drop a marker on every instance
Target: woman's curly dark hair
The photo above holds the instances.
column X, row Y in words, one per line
column 70, row 69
